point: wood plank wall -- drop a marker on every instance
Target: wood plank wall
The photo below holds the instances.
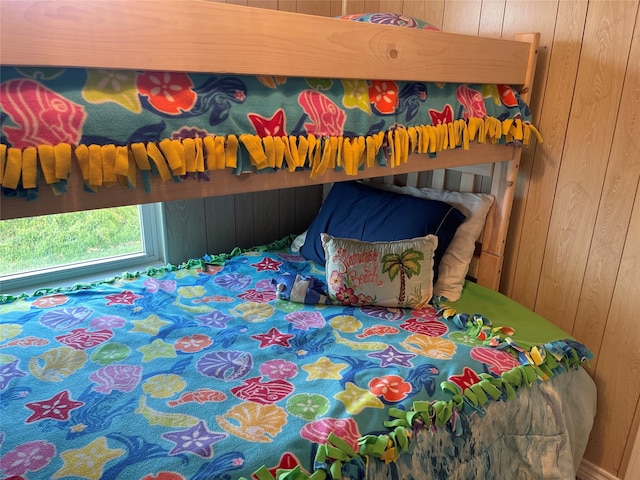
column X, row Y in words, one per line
column 573, row 252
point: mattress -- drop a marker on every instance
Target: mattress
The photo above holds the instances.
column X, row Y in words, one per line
column 200, row 371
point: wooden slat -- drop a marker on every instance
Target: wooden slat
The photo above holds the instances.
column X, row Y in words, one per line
column 437, row 179
column 489, row 269
column 483, row 169
column 503, row 184
column 503, row 187
column 467, row 181
column 91, row 33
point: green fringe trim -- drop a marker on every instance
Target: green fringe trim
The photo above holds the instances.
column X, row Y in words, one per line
column 336, row 459
column 105, row 165
column 217, row 259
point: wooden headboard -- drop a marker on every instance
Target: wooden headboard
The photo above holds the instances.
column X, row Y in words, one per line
column 172, row 36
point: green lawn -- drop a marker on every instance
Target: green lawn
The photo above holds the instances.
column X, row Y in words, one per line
column 32, row 243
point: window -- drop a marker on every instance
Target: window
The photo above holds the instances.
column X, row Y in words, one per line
column 69, row 248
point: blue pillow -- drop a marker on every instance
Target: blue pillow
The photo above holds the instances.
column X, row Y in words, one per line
column 357, row 211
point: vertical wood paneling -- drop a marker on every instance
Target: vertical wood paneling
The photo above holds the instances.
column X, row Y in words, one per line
column 363, row 6
column 186, row 232
column 462, row 16
column 322, row 8
column 220, row 221
column 609, row 290
column 521, row 281
column 287, row 221
column 530, row 16
column 391, row 6
column 418, row 9
column 307, row 204
column 616, row 202
column 271, row 4
column 266, row 217
column 287, row 5
column 617, row 378
column 244, row 220
column 431, row 11
column 491, row 18
column 598, row 88
column 631, row 457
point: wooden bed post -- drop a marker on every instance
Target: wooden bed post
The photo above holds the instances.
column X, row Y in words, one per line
column 504, row 185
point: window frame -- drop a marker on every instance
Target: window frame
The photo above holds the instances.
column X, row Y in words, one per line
column 153, row 254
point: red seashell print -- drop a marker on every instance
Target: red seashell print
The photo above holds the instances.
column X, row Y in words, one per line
column 257, row 296
column 266, row 393
column 81, row 338
column 499, row 361
column 473, row 102
column 345, row 428
column 431, row 328
column 378, row 330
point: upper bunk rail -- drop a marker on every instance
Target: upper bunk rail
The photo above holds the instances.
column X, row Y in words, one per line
column 225, row 184
column 203, row 36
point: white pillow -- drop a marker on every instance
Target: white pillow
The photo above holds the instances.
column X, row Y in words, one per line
column 297, row 243
column 454, row 265
column 390, row 274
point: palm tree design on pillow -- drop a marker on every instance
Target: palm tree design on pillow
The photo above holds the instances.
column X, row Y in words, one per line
column 406, row 264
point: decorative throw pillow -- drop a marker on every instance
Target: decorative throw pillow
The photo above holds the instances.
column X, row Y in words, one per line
column 396, row 19
column 361, row 212
column 454, row 265
column 389, row 274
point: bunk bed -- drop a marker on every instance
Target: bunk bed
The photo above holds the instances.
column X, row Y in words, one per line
column 272, row 362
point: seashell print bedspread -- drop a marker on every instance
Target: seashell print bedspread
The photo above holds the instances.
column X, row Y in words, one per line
column 200, row 372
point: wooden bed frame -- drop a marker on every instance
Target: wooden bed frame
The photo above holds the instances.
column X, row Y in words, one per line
column 124, row 34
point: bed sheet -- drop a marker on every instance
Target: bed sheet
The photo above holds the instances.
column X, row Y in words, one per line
column 200, row 372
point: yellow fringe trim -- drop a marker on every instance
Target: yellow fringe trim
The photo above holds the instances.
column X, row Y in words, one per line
column 110, row 164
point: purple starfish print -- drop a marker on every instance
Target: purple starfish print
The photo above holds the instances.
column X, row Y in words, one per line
column 391, row 356
column 9, row 371
column 197, row 439
column 215, row 319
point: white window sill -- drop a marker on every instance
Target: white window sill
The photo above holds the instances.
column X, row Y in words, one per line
column 82, row 279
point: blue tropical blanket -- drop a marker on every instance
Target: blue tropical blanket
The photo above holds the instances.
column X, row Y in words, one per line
column 122, row 125
column 201, row 372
